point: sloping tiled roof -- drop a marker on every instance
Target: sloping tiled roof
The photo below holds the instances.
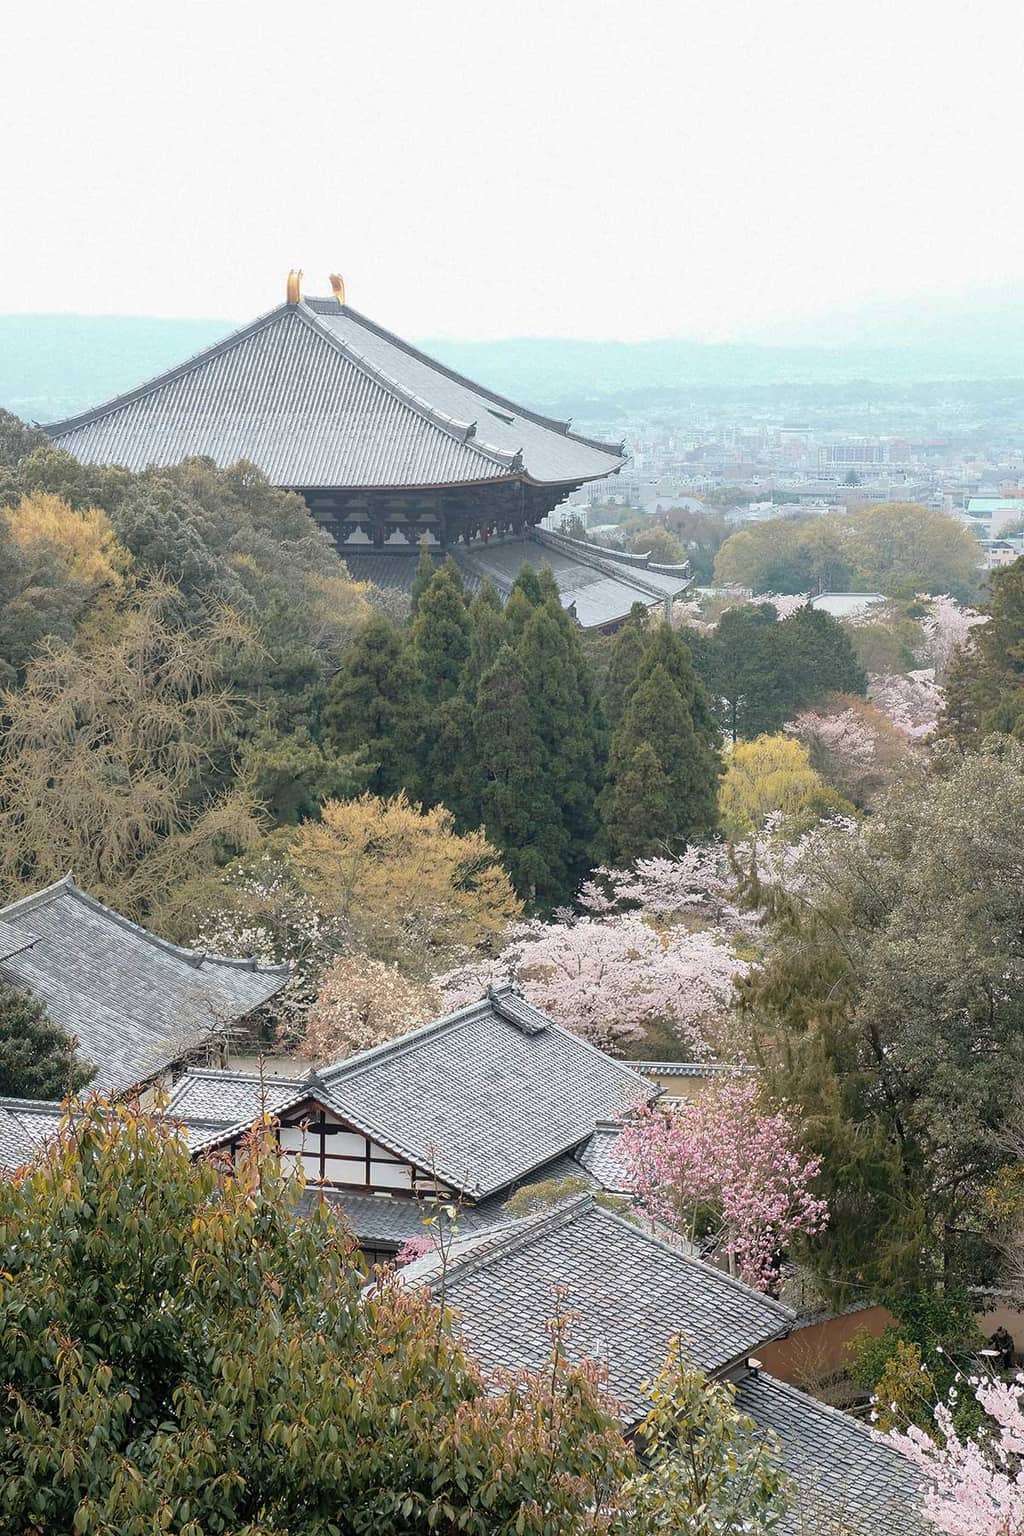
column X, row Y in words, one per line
column 13, row 939
column 483, row 1096
column 25, row 1125
column 227, row 1098
column 845, row 1479
column 601, row 591
column 316, row 395
column 381, row 1220
column 631, row 1291
column 601, row 1157
column 134, row 1001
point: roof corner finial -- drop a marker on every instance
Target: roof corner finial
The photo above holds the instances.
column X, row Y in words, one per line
column 338, row 287
column 295, row 286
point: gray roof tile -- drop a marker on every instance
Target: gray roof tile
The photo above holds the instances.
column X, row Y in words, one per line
column 228, row 1098
column 478, row 1098
column 134, row 1002
column 316, row 395
column 601, row 1157
column 602, row 594
column 841, row 1472
column 379, row 1220
column 631, row 1291
column 13, row 939
column 25, row 1126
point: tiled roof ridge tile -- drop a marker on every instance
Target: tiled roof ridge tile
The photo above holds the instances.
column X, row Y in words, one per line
column 196, row 958
column 14, row 1105
column 463, row 431
column 563, row 428
column 693, row 1068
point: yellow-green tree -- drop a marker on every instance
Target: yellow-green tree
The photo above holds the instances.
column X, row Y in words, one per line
column 83, row 539
column 405, row 884
column 105, row 757
column 769, row 775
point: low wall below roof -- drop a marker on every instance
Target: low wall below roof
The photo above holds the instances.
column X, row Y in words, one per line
column 817, row 1351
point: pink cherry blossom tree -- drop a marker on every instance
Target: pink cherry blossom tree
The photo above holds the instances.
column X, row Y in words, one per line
column 975, row 1487
column 853, row 745
column 913, row 702
column 609, row 979
column 698, row 887
column 947, row 628
column 726, row 1170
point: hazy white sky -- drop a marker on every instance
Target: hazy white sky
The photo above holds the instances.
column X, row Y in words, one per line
column 510, row 167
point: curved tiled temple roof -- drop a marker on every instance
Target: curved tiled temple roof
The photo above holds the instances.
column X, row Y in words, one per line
column 134, row 1002
column 319, row 397
column 630, row 1293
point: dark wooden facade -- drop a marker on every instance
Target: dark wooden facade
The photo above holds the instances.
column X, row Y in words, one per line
column 447, row 515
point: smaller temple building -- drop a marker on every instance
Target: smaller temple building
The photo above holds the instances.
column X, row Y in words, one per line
column 139, row 1007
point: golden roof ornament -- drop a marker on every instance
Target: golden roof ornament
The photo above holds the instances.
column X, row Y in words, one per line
column 338, row 287
column 295, row 286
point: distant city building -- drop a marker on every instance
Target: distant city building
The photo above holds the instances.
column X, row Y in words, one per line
column 847, row 605
column 996, row 513
column 862, row 455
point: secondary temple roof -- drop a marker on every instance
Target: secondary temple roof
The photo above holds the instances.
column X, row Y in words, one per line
column 629, row 1293
column 484, row 1096
column 135, row 1002
column 319, row 397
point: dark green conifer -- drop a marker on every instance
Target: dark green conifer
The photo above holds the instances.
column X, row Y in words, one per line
column 486, row 634
column 519, row 814
column 37, row 1057
column 441, row 634
column 374, row 706
column 564, row 721
column 425, row 571
column 640, row 806
column 526, row 595
column 659, row 716
column 627, row 652
column 667, row 648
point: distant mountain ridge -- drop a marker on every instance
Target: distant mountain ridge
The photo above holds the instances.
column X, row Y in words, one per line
column 56, row 365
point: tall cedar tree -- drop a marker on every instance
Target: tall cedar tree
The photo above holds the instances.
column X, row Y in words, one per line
column 37, row 1058
column 486, row 635
column 425, row 572
column 627, row 652
column 441, row 635
column 985, row 686
column 566, row 730
column 374, row 706
column 643, row 804
column 519, row 816
column 660, row 717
